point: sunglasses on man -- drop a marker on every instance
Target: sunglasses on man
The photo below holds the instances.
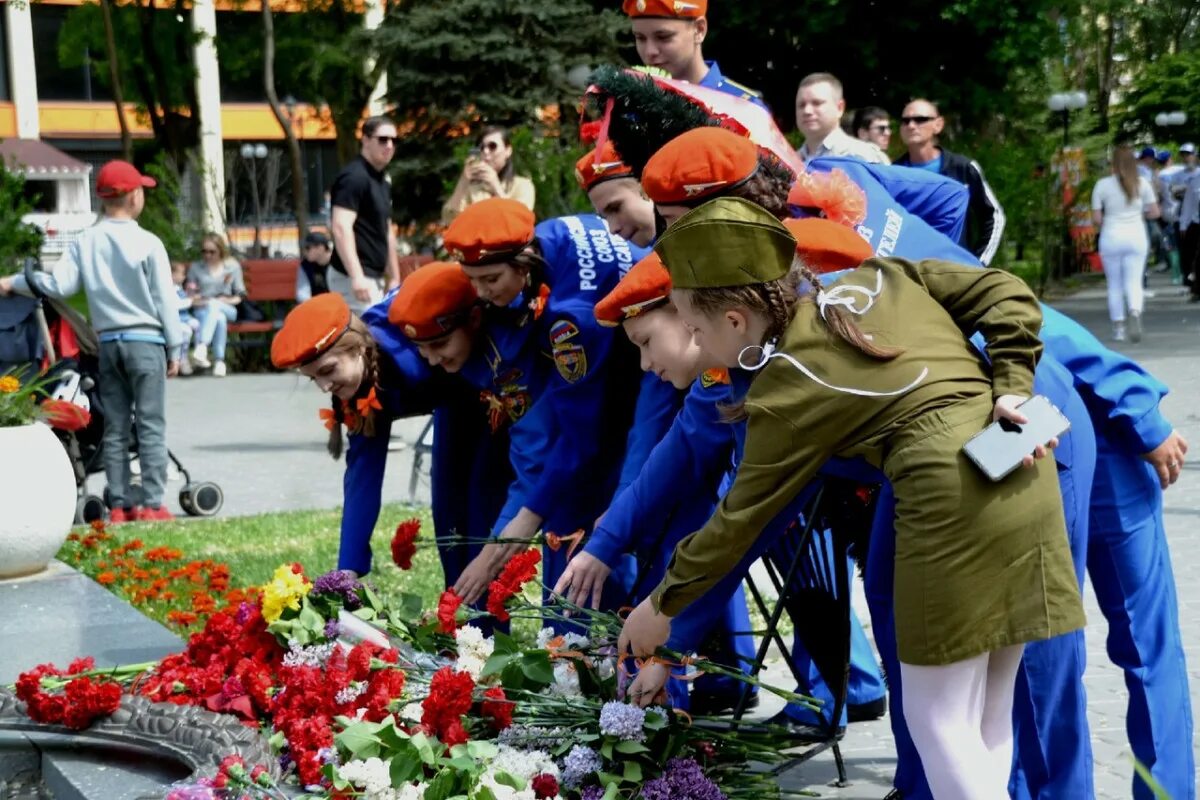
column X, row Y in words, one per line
column 387, row 139
column 917, row 120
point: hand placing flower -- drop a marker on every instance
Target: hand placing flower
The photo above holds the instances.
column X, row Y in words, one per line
column 644, row 631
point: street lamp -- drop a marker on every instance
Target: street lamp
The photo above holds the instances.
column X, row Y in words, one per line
column 252, row 153
column 1064, row 103
column 1170, row 119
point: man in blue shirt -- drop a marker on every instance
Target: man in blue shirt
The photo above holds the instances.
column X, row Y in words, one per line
column 669, row 35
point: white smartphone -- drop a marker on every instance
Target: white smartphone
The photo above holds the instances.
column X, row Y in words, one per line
column 1000, row 447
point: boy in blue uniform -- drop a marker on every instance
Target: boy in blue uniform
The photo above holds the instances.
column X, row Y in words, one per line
column 669, row 35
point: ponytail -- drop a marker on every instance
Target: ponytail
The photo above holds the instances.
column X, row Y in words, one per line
column 356, row 339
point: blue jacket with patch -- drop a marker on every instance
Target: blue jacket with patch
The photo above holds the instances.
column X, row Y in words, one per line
column 715, row 79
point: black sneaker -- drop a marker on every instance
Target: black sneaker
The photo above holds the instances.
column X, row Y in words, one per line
column 798, row 732
column 865, row 712
column 708, row 704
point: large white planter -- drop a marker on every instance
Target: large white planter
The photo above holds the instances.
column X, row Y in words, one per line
column 37, row 498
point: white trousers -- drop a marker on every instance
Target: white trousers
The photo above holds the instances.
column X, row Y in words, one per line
column 340, row 284
column 1123, row 253
column 960, row 718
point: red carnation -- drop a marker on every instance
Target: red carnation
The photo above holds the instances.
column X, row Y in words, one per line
column 65, row 416
column 447, row 611
column 544, row 786
column 404, row 543
column 449, row 698
column 516, row 573
column 497, row 708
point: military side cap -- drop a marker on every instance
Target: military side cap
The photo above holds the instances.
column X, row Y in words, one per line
column 599, row 165
column 697, row 164
column 673, row 9
column 489, row 232
column 432, row 302
column 309, row 330
column 826, row 246
column 643, row 288
column 726, row 242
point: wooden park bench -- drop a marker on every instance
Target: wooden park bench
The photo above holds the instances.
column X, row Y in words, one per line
column 270, row 284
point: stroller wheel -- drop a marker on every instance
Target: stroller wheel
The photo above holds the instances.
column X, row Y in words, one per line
column 89, row 509
column 201, row 499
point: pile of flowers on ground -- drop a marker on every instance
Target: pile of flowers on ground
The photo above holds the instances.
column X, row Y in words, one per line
column 381, row 699
column 156, row 580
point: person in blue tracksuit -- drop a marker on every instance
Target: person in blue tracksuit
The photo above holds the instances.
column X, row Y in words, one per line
column 1126, row 555
column 542, row 361
column 376, row 377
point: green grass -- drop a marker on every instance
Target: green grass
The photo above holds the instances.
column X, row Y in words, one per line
column 253, row 547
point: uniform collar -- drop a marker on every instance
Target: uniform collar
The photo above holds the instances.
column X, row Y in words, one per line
column 713, row 78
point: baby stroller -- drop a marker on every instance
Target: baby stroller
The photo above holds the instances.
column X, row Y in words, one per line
column 45, row 334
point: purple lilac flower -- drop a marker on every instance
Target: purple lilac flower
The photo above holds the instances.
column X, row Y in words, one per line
column 243, row 613
column 592, row 793
column 339, row 582
column 622, row 720
column 683, row 779
column 581, row 762
column 332, row 629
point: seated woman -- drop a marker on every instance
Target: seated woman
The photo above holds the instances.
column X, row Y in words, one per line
column 488, row 172
column 217, row 287
column 981, row 568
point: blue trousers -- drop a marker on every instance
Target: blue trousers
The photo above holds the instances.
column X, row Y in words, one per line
column 1130, row 567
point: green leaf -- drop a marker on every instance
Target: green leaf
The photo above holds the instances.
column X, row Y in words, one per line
column 365, row 614
column 359, row 740
column 484, row 751
column 536, row 666
column 630, row 748
column 496, row 663
column 372, row 599
column 405, row 768
column 509, row 780
column 441, row 786
column 504, row 644
column 606, row 749
column 424, row 748
column 633, row 772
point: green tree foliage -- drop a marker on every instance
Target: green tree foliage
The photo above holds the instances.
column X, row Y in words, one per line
column 18, row 239
column 156, row 69
column 162, row 215
column 458, row 64
column 1171, row 83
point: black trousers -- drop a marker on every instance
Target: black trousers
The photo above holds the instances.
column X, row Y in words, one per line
column 1189, row 257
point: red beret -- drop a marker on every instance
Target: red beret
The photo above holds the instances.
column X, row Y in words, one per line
column 309, row 330
column 697, row 164
column 596, row 168
column 827, row 246
column 681, row 9
column 645, row 286
column 489, row 232
column 432, row 302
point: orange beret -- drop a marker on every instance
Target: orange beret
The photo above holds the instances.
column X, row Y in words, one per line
column 645, row 286
column 827, row 246
column 309, row 330
column 674, row 9
column 593, row 169
column 432, row 302
column 697, row 164
column 489, row 232
column 833, row 193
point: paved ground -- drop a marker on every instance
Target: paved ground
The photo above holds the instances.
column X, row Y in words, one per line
column 259, row 437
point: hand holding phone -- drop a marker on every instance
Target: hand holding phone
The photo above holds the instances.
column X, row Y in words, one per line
column 1017, row 436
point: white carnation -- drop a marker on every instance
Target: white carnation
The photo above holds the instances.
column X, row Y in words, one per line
column 473, row 651
column 372, row 776
column 566, row 680
column 523, row 764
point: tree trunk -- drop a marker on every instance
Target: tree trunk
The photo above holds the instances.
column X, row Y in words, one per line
column 1105, row 46
column 114, row 75
column 299, row 201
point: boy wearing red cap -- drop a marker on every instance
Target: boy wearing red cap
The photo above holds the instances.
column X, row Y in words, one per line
column 669, row 35
column 616, row 195
column 126, row 274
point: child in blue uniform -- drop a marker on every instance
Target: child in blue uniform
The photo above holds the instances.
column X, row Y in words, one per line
column 375, row 377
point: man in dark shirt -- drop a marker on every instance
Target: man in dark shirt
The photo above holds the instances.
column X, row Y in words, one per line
column 365, row 264
column 310, row 278
column 920, row 125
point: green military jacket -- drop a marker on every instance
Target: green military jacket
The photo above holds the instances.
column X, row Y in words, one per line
column 818, row 396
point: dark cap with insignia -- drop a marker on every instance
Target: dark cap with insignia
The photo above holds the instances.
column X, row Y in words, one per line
column 726, row 242
column 669, row 9
column 489, row 232
column 309, row 330
column 432, row 302
column 700, row 163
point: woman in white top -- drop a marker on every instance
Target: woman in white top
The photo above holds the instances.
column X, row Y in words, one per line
column 488, row 172
column 1121, row 204
column 216, row 286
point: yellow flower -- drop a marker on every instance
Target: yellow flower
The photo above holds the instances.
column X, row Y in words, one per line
column 9, row 384
column 284, row 591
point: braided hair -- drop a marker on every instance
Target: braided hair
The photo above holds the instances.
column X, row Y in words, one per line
column 356, row 340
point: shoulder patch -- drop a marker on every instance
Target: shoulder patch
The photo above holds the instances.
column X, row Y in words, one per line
column 711, row 377
column 571, row 362
column 744, row 88
column 562, row 331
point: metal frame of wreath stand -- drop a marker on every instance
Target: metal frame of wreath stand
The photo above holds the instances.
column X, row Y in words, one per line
column 815, row 586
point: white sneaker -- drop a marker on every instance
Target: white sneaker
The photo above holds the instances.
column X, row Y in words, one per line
column 185, row 366
column 200, row 357
column 1118, row 332
column 219, row 369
